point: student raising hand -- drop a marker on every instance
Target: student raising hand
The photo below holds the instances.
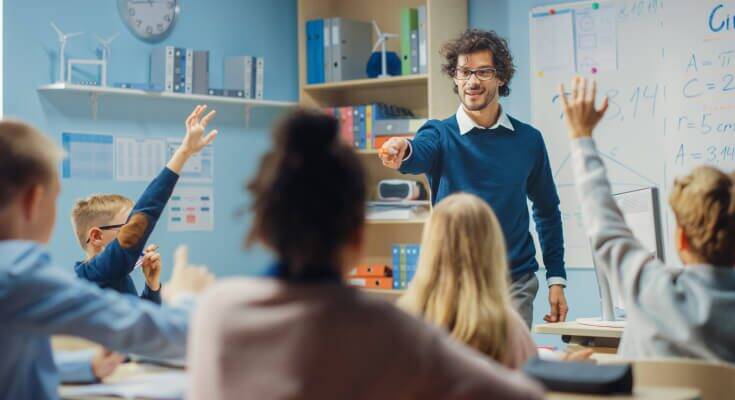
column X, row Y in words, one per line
column 152, row 267
column 186, row 278
column 196, row 124
column 580, row 112
column 195, row 139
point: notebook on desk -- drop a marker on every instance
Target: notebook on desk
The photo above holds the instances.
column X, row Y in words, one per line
column 163, row 362
column 158, row 386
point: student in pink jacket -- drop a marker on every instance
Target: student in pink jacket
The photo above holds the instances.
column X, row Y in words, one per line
column 299, row 333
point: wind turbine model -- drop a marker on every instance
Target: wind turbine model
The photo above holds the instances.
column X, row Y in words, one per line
column 382, row 38
column 105, row 43
column 63, row 37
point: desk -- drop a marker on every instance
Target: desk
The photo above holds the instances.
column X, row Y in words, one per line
column 121, row 374
column 576, row 335
column 643, row 393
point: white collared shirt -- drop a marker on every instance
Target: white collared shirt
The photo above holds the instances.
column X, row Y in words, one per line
column 466, row 123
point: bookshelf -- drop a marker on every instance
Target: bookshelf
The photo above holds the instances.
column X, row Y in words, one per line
column 428, row 95
column 66, row 92
column 390, row 82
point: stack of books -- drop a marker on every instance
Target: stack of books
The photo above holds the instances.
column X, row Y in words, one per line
column 405, row 264
column 367, row 127
column 377, row 276
column 396, row 210
column 414, row 56
column 177, row 70
column 337, row 49
column 243, row 77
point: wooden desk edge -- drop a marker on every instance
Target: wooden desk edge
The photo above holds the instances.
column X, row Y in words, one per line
column 577, row 329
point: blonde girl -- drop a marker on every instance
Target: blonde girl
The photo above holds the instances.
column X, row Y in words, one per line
column 462, row 284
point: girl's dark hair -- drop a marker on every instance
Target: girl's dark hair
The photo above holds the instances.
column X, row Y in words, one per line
column 308, row 193
column 474, row 40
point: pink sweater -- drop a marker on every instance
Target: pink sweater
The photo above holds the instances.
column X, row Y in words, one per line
column 268, row 339
column 520, row 345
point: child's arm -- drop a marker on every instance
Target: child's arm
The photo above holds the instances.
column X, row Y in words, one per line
column 616, row 250
column 39, row 298
column 195, row 140
column 151, row 266
column 118, row 258
column 86, row 366
column 75, row 366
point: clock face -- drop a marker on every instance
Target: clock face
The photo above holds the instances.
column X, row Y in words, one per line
column 150, row 20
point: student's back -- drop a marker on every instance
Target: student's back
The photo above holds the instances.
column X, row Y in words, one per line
column 299, row 333
column 278, row 340
column 682, row 312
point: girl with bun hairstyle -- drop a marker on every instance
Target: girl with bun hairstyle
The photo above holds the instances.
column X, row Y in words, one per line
column 298, row 332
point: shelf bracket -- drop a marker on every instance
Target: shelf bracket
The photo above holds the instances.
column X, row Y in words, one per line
column 247, row 110
column 94, row 99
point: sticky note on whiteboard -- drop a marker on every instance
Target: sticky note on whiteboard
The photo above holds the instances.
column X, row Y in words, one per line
column 596, row 39
column 556, row 51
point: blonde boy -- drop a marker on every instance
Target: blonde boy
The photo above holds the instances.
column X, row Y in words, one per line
column 39, row 299
column 672, row 311
column 113, row 232
column 96, row 221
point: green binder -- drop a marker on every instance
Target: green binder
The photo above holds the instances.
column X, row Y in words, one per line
column 409, row 22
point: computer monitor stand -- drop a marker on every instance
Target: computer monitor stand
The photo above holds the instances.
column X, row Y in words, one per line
column 608, row 319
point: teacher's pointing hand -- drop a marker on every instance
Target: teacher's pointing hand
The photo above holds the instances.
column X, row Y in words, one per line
column 393, row 152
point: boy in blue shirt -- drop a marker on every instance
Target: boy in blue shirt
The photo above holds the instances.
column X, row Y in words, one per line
column 113, row 236
column 39, row 299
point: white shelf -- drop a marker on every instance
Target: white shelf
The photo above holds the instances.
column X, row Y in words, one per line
column 106, row 90
column 390, row 82
column 95, row 92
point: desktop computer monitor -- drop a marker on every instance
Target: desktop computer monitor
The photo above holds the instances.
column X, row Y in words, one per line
column 640, row 209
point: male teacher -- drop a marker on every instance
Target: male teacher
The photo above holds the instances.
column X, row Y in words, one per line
column 484, row 151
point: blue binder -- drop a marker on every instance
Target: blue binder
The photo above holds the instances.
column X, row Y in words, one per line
column 363, row 128
column 315, row 51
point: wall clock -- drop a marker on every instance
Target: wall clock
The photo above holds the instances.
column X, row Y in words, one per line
column 150, row 20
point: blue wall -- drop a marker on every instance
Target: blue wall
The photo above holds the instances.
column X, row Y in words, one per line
column 230, row 27
column 510, row 19
column 225, row 27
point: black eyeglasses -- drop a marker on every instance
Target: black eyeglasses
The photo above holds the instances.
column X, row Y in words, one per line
column 483, row 74
column 107, row 228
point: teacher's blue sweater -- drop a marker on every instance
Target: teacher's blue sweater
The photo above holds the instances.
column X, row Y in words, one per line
column 503, row 167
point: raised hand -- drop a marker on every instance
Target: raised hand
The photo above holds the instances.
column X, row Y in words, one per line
column 195, row 140
column 152, row 266
column 392, row 152
column 186, row 279
column 580, row 112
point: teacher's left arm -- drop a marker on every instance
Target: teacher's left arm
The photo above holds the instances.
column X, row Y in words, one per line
column 542, row 193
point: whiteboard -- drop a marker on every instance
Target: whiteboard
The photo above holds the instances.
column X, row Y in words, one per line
column 668, row 69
